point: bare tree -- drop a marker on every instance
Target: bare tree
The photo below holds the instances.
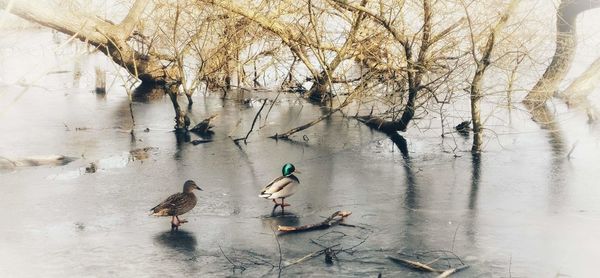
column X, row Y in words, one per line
column 403, row 59
column 420, row 69
column 566, row 40
column 151, row 67
column 482, row 65
column 576, row 93
column 109, row 38
column 304, row 40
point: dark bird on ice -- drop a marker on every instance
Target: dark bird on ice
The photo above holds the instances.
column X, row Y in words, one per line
column 463, row 127
column 178, row 204
column 204, row 126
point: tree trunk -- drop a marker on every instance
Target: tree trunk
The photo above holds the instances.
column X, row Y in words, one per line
column 182, row 122
column 109, row 38
column 585, row 84
column 566, row 42
column 320, row 91
column 476, row 83
column 476, row 109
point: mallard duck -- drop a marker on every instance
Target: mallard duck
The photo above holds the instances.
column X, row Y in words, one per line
column 282, row 187
column 178, row 204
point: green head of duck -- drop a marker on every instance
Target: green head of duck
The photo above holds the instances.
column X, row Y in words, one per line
column 288, row 169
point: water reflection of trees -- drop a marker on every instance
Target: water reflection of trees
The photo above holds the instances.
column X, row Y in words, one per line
column 472, row 205
column 546, row 120
column 411, row 197
column 475, row 180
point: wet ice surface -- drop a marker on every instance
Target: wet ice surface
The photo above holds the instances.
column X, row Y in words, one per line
column 523, row 210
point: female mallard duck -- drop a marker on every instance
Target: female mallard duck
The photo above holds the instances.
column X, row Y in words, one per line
column 178, row 204
column 282, row 187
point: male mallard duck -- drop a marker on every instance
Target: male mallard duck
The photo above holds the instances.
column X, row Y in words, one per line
column 282, row 187
column 178, row 204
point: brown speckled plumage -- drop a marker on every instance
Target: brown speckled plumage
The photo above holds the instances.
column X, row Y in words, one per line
column 178, row 204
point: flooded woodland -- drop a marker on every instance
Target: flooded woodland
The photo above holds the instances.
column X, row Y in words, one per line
column 430, row 138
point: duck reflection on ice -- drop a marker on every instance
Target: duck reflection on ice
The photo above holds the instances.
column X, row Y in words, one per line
column 281, row 219
column 182, row 241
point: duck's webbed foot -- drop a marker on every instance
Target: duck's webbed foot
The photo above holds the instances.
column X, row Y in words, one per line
column 181, row 221
column 276, row 204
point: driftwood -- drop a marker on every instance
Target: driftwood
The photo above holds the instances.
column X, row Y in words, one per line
column 53, row 160
column 332, row 220
column 451, row 271
column 426, row 268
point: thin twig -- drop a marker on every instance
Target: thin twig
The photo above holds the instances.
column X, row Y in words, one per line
column 287, row 134
column 311, row 255
column 351, row 250
column 271, row 107
column 229, row 260
column 572, row 149
column 454, row 237
column 279, row 248
column 253, row 122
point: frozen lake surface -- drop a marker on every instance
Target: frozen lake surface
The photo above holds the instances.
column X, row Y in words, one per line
column 522, row 210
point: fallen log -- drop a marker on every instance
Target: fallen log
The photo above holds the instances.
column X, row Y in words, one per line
column 332, row 220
